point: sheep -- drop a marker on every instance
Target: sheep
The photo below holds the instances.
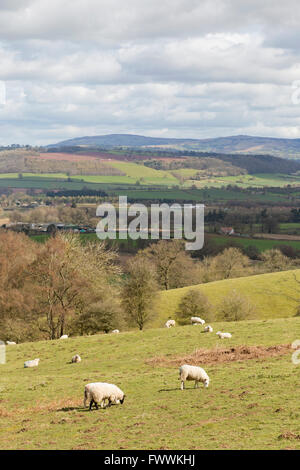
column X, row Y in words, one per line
column 32, row 363
column 76, row 359
column 187, row 372
column 170, row 323
column 10, row 343
column 208, row 329
column 115, row 331
column 224, row 335
column 197, row 321
column 64, row 337
column 96, row 393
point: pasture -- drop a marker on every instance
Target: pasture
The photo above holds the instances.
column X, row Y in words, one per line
column 261, row 244
column 250, row 403
column 274, row 295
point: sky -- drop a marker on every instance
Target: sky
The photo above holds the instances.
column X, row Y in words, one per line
column 162, row 68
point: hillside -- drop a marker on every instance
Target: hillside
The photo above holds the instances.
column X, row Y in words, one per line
column 289, row 148
column 268, row 292
column 250, row 403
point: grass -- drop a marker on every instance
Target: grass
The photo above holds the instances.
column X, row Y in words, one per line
column 261, row 244
column 251, row 404
column 257, row 180
column 141, row 182
column 270, row 293
column 146, row 176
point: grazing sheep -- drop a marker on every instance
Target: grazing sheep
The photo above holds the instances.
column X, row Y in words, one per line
column 33, row 363
column 224, row 335
column 197, row 321
column 64, row 337
column 187, row 372
column 115, row 331
column 76, row 358
column 208, row 329
column 10, row 343
column 96, row 393
column 170, row 323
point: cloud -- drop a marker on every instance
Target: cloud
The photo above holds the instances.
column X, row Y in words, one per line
column 159, row 67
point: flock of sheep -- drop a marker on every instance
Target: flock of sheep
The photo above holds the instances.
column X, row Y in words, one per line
column 199, row 321
column 97, row 393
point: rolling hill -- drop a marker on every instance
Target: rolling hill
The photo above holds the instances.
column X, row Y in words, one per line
column 288, row 148
column 270, row 293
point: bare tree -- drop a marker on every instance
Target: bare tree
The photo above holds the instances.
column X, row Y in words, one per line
column 173, row 265
column 139, row 292
column 69, row 277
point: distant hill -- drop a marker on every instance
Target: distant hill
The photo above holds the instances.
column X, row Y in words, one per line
column 286, row 148
column 121, row 140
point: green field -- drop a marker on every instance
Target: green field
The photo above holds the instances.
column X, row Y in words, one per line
column 257, row 180
column 261, row 244
column 269, row 293
column 145, row 176
column 250, row 404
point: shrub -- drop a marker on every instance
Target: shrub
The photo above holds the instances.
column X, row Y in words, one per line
column 235, row 307
column 193, row 304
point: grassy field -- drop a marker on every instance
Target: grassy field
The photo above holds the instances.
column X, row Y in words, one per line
column 136, row 173
column 261, row 244
column 142, row 183
column 270, row 293
column 250, row 404
column 257, row 180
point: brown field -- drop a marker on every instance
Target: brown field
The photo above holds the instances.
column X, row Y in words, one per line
column 69, row 157
column 92, row 155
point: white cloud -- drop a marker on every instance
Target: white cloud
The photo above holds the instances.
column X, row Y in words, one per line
column 157, row 67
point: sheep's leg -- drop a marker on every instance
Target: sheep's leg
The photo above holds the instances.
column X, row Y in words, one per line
column 196, row 384
column 182, row 385
column 91, row 404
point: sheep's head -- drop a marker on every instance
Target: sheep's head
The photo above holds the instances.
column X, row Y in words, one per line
column 122, row 401
column 206, row 383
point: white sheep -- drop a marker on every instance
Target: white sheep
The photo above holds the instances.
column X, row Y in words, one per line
column 197, row 321
column 170, row 323
column 64, row 337
column 187, row 372
column 208, row 329
column 224, row 335
column 96, row 393
column 10, row 343
column 33, row 363
column 76, row 358
column 115, row 331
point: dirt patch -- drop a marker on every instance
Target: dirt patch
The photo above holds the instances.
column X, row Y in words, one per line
column 219, row 355
column 289, row 435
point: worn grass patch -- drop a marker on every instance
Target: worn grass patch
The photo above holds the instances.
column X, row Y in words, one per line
column 219, row 355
